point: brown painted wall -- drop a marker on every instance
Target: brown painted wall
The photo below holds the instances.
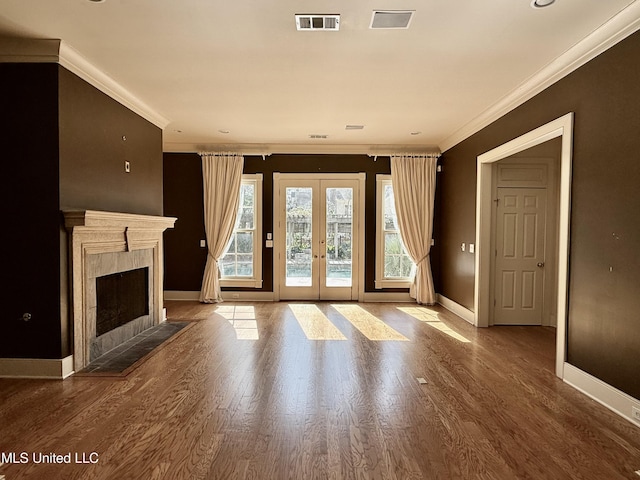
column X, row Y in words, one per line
column 183, row 198
column 31, row 240
column 93, row 152
column 184, row 258
column 603, row 326
column 63, row 148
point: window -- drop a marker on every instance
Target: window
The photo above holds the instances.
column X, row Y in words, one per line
column 241, row 265
column 394, row 267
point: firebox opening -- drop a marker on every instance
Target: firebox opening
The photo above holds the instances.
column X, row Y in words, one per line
column 121, row 298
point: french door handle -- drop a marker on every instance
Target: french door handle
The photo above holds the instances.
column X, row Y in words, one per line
column 321, row 256
column 540, row 264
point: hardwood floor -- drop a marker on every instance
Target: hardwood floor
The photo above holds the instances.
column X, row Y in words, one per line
column 249, row 393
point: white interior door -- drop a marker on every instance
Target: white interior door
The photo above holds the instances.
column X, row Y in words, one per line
column 520, row 256
column 317, row 239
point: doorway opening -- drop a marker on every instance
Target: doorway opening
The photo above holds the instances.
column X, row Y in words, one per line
column 563, row 128
column 524, row 237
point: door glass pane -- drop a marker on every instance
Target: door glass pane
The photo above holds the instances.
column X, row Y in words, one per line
column 298, row 236
column 339, row 230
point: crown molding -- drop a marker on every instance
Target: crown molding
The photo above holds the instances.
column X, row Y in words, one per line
column 25, row 50
column 613, row 31
column 29, row 50
column 299, row 148
column 76, row 63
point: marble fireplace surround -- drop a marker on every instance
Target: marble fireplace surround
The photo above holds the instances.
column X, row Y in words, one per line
column 102, row 243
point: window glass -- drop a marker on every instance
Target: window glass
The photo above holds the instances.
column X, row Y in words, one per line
column 396, row 265
column 239, row 260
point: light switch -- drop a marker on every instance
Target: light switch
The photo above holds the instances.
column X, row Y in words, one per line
column 269, row 236
column 269, row 244
column 472, row 248
column 203, row 243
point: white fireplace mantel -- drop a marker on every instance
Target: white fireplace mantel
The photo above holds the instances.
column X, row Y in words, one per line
column 95, row 232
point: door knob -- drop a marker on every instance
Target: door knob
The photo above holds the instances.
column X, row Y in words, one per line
column 540, row 264
column 321, row 256
column 315, row 256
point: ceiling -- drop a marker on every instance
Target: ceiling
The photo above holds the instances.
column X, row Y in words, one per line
column 214, row 66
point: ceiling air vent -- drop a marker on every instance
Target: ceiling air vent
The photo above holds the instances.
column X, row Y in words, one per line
column 318, row 22
column 354, row 127
column 386, row 19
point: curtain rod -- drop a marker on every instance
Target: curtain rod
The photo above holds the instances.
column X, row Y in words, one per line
column 416, row 155
column 410, row 155
column 226, row 154
column 219, row 154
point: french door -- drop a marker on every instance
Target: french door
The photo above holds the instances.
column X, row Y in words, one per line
column 318, row 236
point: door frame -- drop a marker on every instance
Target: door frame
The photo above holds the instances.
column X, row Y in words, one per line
column 561, row 127
column 277, row 241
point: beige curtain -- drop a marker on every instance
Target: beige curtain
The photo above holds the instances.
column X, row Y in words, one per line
column 414, row 185
column 222, row 178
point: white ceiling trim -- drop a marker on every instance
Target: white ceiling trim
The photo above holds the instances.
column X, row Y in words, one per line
column 76, row 63
column 57, row 51
column 296, row 148
column 615, row 30
column 23, row 50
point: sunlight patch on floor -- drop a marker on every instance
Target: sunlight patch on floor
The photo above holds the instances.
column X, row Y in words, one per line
column 432, row 319
column 314, row 323
column 369, row 325
column 243, row 320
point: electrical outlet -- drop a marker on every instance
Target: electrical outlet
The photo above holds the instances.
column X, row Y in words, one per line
column 463, row 247
column 235, row 295
column 635, row 413
column 127, row 166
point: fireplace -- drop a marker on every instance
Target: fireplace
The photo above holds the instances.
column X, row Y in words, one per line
column 121, row 298
column 114, row 258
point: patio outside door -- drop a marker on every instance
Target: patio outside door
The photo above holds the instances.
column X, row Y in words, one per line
column 318, row 237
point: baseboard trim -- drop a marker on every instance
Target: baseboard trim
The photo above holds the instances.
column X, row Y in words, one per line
column 382, row 297
column 603, row 393
column 247, row 296
column 181, row 295
column 37, row 368
column 456, row 308
column 227, row 296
